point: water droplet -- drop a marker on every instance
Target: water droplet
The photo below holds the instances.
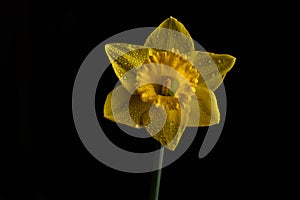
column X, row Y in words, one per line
column 219, row 60
column 209, row 61
column 157, row 36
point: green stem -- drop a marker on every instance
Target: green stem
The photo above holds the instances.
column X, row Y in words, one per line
column 156, row 176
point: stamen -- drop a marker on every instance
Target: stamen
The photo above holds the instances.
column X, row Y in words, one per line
column 165, row 87
column 172, row 84
column 168, row 102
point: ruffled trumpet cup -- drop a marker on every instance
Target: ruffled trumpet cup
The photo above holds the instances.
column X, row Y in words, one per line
column 166, row 84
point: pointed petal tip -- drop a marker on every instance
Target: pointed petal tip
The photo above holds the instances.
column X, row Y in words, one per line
column 166, row 37
column 110, row 51
column 108, row 48
column 172, row 148
column 169, row 146
column 172, row 18
column 114, row 45
column 232, row 60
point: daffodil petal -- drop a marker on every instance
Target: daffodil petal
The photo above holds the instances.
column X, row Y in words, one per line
column 124, row 108
column 212, row 67
column 170, row 35
column 166, row 125
column 124, row 59
column 204, row 108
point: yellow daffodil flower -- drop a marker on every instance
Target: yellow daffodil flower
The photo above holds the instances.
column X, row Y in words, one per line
column 169, row 84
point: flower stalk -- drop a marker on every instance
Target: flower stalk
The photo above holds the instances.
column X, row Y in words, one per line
column 154, row 193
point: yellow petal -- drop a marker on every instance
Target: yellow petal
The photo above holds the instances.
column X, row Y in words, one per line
column 204, row 108
column 123, row 108
column 170, row 34
column 212, row 67
column 125, row 57
column 166, row 125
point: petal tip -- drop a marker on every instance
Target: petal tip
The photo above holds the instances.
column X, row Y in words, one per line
column 111, row 47
column 172, row 18
column 107, row 47
column 232, row 60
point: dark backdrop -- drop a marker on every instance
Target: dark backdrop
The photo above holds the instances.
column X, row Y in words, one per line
column 49, row 41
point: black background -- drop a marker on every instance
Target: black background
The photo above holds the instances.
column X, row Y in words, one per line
column 46, row 160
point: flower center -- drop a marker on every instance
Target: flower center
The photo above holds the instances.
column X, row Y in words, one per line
column 166, row 78
column 169, row 86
